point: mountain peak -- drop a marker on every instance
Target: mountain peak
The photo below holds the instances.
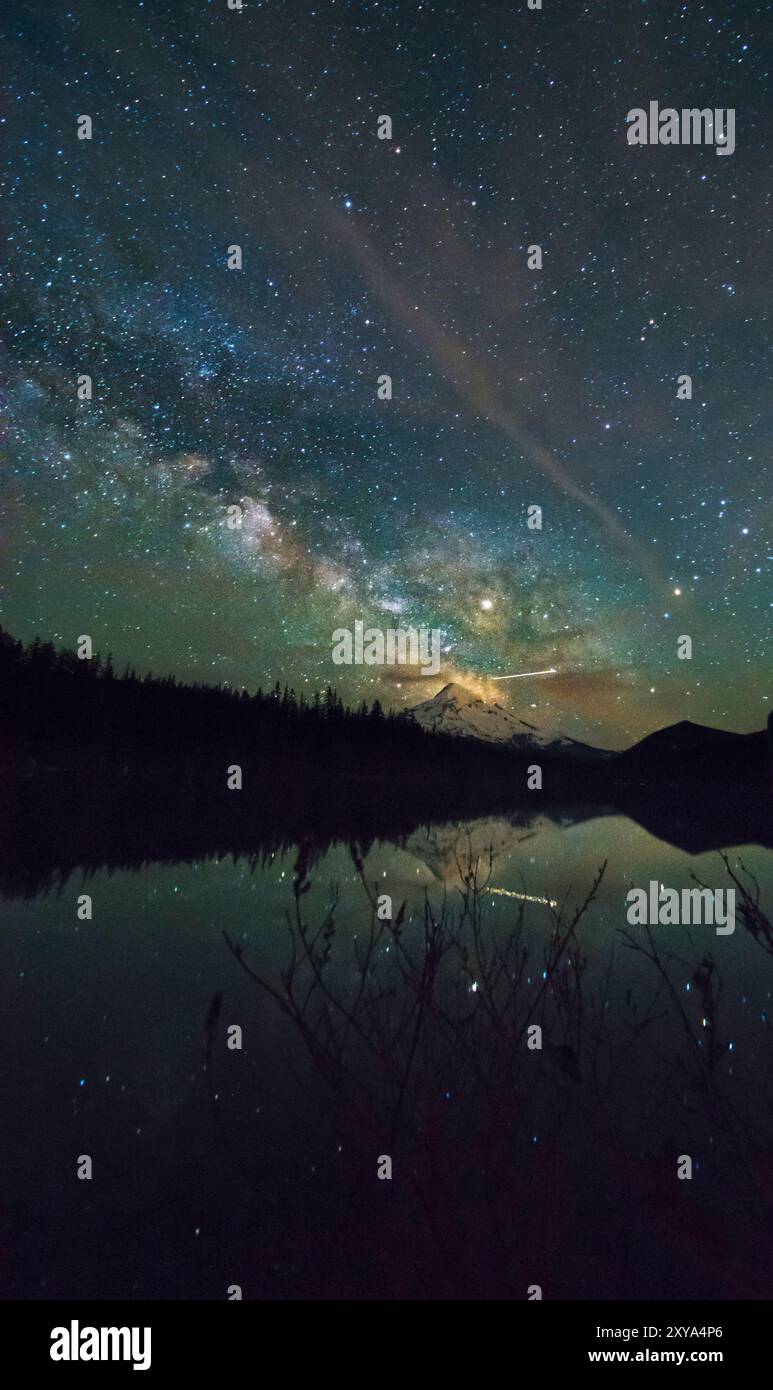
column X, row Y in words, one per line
column 456, row 710
column 453, row 694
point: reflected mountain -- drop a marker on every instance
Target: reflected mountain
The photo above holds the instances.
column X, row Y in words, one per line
column 442, row 848
column 62, row 821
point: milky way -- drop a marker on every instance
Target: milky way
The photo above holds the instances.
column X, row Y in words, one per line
column 511, row 386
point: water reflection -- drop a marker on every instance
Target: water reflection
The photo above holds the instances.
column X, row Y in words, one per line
column 363, row 1037
column 58, row 824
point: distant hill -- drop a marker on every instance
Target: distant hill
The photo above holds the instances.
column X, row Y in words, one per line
column 687, row 751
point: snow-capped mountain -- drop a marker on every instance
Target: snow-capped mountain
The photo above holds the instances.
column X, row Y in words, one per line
column 457, row 711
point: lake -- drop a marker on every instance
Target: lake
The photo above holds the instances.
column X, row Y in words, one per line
column 218, row 1167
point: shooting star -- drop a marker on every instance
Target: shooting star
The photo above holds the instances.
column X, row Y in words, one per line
column 520, row 675
column 524, row 897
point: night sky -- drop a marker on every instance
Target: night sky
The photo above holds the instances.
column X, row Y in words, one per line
column 511, row 387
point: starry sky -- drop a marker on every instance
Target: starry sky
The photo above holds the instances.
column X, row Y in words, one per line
column 361, row 257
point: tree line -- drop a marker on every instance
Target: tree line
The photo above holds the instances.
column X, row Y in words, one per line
column 55, row 705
